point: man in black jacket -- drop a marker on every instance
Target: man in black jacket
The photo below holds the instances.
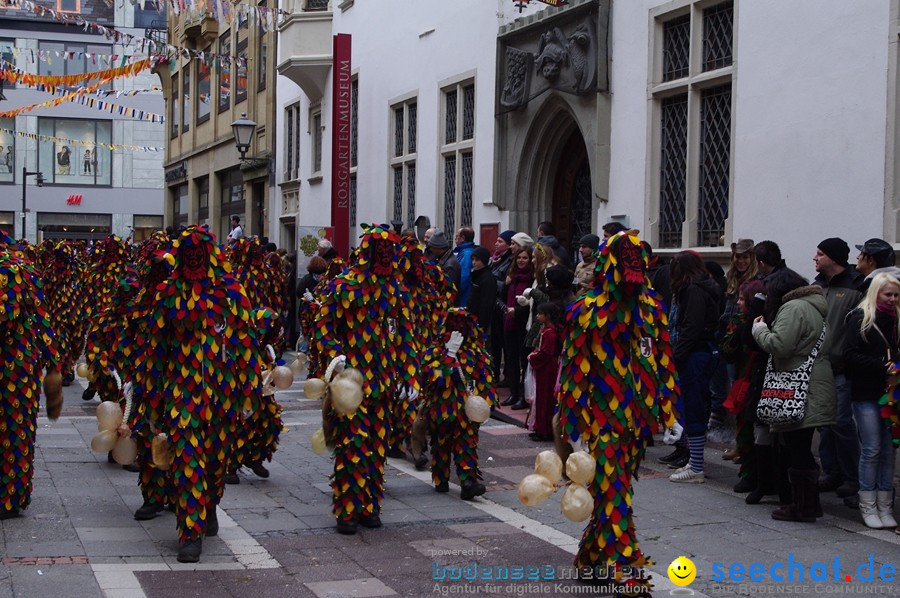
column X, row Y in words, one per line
column 839, row 444
column 484, row 292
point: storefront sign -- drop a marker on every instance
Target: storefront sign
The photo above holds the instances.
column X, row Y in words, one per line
column 74, row 200
column 177, row 173
column 340, row 144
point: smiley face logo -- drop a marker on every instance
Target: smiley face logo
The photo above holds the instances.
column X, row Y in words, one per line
column 682, row 571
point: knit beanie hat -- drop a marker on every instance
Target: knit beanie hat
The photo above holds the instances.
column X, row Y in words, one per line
column 507, row 236
column 438, row 240
column 560, row 277
column 523, row 240
column 482, row 254
column 837, row 249
column 590, row 240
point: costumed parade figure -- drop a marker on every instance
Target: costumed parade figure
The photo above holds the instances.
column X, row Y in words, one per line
column 65, row 295
column 258, row 437
column 617, row 381
column 455, row 368
column 27, row 347
column 365, row 316
column 201, row 361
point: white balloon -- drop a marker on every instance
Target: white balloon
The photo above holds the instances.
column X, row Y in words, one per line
column 104, row 441
column 581, row 467
column 549, row 465
column 314, row 388
column 125, row 451
column 577, row 503
column 535, row 489
column 346, row 395
column 109, row 415
column 318, row 441
column 477, row 409
column 282, row 377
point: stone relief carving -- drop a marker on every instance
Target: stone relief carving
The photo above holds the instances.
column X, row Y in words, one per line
column 565, row 57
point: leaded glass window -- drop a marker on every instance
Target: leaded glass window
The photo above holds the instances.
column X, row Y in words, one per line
column 468, row 112
column 450, row 117
column 450, row 193
column 676, row 48
column 403, row 163
column 465, row 208
column 672, row 169
column 718, row 36
column 715, row 162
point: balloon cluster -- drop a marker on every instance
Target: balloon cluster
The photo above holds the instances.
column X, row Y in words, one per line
column 113, row 435
column 341, row 393
column 577, row 502
column 84, row 371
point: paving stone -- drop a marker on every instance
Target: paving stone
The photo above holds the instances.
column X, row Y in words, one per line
column 351, row 588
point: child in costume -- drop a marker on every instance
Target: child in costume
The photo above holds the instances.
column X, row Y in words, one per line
column 365, row 316
column 456, row 366
column 617, row 381
column 198, row 373
column 27, row 347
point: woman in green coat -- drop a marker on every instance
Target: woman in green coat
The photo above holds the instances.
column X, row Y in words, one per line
column 793, row 322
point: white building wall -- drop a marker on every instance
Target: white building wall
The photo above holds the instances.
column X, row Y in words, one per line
column 809, row 114
column 409, row 49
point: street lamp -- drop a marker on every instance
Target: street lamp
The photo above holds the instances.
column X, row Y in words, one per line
column 40, row 183
column 244, row 128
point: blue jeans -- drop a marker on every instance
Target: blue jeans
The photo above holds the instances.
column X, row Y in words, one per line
column 876, row 459
column 694, row 377
column 839, row 444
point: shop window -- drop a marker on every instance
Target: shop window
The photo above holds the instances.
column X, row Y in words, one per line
column 7, row 150
column 78, row 153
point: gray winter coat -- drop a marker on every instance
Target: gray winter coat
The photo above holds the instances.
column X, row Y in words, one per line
column 790, row 340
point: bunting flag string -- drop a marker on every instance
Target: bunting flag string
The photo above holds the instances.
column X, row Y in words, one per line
column 51, row 81
column 55, row 101
column 267, row 18
column 65, row 141
column 117, row 109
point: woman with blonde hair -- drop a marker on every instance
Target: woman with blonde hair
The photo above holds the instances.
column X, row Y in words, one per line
column 870, row 354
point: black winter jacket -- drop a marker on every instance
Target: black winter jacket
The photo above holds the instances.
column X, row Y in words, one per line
column 699, row 307
column 866, row 355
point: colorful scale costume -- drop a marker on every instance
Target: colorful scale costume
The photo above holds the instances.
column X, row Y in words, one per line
column 201, row 359
column 26, row 347
column 617, row 381
column 446, row 382
column 152, row 269
column 365, row 316
column 66, row 296
column 258, row 437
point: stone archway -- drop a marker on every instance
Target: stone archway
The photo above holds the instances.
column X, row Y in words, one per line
column 555, row 175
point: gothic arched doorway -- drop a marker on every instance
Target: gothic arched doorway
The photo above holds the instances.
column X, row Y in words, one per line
column 572, row 194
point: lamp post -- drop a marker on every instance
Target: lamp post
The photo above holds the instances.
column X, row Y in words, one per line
column 40, row 183
column 244, row 129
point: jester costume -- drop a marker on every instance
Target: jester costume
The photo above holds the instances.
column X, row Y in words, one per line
column 199, row 373
column 66, row 295
column 258, row 437
column 617, row 381
column 27, row 346
column 449, row 377
column 110, row 268
column 152, row 269
column 365, row 317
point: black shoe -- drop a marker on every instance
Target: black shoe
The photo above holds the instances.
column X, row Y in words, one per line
column 828, row 484
column 109, row 457
column 396, row 453
column 212, row 522
column 421, row 462
column 510, row 400
column 132, row 467
column 852, row 502
column 148, row 510
column 755, row 496
column 471, row 488
column 348, row 528
column 189, row 552
column 259, row 469
column 442, row 487
column 521, row 404
column 8, row 514
column 88, row 394
column 232, row 478
column 675, row 454
column 744, row 485
column 680, row 461
column 847, row 489
column 371, row 521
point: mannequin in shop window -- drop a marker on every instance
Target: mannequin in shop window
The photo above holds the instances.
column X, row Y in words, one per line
column 88, row 162
column 10, row 158
column 63, row 160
